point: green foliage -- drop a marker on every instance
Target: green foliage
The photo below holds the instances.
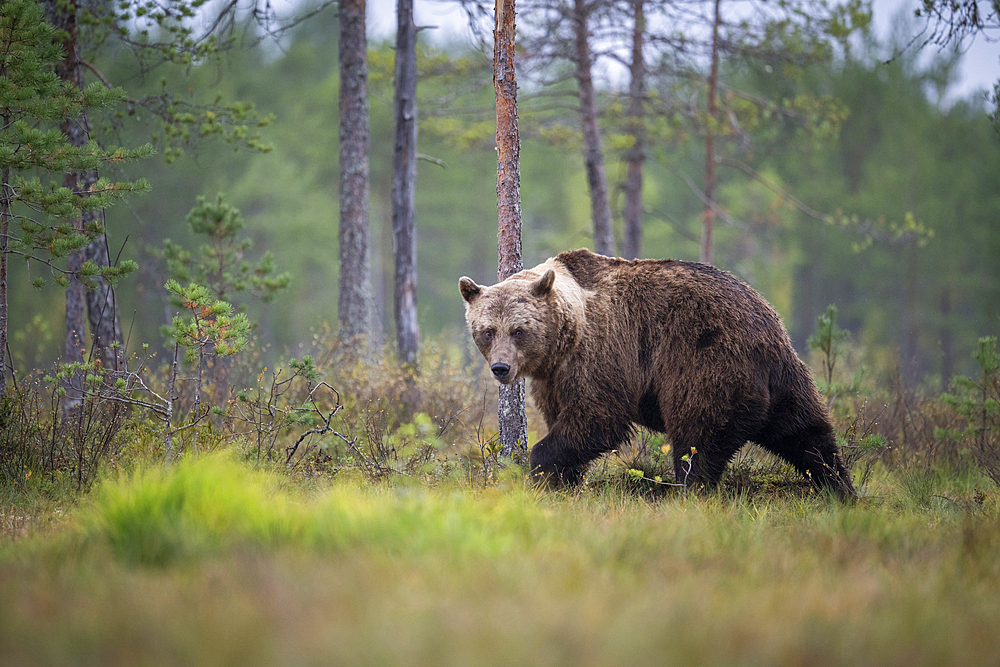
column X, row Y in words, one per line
column 362, row 574
column 978, row 401
column 268, row 411
column 183, row 123
column 209, row 322
column 219, row 264
column 47, row 451
column 33, row 101
column 830, row 341
column 172, row 36
column 897, row 153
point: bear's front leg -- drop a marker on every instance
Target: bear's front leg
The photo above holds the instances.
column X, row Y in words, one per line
column 553, row 464
column 560, row 459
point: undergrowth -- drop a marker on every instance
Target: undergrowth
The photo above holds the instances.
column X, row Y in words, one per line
column 351, row 512
column 334, row 415
column 219, row 560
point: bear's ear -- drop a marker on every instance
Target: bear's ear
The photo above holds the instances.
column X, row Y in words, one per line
column 543, row 285
column 470, row 290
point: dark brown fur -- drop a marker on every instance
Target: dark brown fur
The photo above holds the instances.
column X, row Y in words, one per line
column 677, row 347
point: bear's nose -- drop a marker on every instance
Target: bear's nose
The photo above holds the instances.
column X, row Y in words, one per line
column 500, row 370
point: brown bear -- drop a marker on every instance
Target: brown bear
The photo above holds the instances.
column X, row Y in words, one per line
column 677, row 347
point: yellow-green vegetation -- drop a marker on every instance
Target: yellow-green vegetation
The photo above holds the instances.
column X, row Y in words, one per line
column 216, row 562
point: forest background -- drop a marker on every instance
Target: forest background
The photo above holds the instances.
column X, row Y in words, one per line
column 350, row 508
column 890, row 213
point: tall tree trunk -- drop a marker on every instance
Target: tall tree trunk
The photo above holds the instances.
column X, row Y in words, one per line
column 708, row 223
column 404, row 179
column 947, row 340
column 512, row 416
column 636, row 125
column 597, row 182
column 912, row 369
column 100, row 301
column 356, row 306
column 102, row 311
column 77, row 132
column 5, row 214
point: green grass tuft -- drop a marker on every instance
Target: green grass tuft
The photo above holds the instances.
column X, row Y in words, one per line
column 214, row 562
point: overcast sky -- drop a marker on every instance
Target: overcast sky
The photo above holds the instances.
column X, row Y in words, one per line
column 980, row 67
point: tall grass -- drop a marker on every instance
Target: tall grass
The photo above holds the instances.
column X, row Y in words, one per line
column 213, row 562
column 404, row 540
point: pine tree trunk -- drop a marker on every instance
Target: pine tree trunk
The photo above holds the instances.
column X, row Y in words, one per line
column 708, row 224
column 511, row 414
column 75, row 347
column 356, row 305
column 404, row 179
column 597, row 182
column 102, row 311
column 912, row 363
column 5, row 214
column 636, row 124
column 947, row 340
column 77, row 134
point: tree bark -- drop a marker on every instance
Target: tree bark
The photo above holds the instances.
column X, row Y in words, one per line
column 404, row 179
column 5, row 214
column 947, row 340
column 597, row 182
column 356, row 306
column 912, row 366
column 77, row 132
column 102, row 311
column 636, row 125
column 100, row 301
column 708, row 223
column 511, row 413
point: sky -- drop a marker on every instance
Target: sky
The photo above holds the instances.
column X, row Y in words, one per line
column 980, row 67
column 979, row 70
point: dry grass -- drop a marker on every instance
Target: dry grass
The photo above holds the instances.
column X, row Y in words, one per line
column 406, row 542
column 213, row 563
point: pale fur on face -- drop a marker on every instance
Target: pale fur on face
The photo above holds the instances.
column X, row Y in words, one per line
column 515, row 321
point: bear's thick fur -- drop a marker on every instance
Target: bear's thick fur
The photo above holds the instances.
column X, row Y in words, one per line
column 678, row 347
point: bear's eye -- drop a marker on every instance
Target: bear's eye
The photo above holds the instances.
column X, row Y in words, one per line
column 519, row 333
column 488, row 335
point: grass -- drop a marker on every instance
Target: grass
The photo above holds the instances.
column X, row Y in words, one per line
column 212, row 562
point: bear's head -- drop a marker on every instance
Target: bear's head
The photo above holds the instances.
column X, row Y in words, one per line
column 512, row 322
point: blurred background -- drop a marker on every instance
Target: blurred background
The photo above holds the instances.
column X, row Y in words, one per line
column 869, row 179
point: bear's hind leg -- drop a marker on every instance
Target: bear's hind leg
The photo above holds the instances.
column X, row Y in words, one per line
column 813, row 452
column 700, row 466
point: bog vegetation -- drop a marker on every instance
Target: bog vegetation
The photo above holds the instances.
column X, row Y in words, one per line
column 242, row 487
column 348, row 511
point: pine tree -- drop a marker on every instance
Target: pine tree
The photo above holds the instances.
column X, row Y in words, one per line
column 36, row 211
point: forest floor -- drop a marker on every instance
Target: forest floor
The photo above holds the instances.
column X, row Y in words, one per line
column 213, row 562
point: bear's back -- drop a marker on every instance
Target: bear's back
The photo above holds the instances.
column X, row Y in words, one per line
column 686, row 306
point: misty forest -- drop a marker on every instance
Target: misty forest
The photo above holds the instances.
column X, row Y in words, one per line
column 242, row 418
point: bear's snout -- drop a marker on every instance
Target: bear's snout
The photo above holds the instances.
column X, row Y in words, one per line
column 500, row 370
